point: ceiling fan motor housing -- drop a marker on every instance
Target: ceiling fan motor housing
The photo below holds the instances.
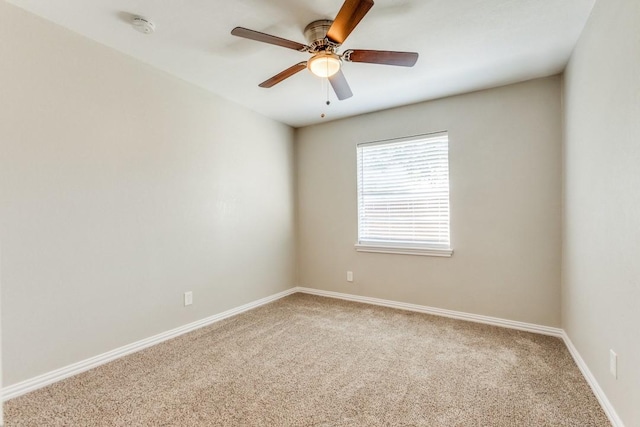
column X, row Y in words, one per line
column 316, row 33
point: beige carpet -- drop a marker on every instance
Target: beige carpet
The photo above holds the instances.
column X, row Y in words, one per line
column 312, row 361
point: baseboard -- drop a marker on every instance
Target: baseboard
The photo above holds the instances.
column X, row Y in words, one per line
column 43, row 380
column 597, row 390
column 496, row 321
column 528, row 327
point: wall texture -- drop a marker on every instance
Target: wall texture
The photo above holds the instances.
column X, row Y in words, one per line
column 601, row 256
column 120, row 188
column 505, row 178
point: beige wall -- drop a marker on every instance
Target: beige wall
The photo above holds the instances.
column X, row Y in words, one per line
column 601, row 280
column 505, row 177
column 120, row 188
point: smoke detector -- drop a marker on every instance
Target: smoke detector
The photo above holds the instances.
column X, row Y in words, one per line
column 143, row 25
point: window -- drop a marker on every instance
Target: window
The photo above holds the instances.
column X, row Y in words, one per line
column 403, row 196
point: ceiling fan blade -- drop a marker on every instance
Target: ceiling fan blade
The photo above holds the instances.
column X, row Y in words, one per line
column 283, row 75
column 340, row 86
column 350, row 15
column 403, row 59
column 267, row 38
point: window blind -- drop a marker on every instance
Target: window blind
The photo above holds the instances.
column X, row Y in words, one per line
column 403, row 192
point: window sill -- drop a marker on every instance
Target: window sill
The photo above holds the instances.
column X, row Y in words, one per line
column 403, row 250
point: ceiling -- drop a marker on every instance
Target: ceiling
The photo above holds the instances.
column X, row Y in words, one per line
column 464, row 45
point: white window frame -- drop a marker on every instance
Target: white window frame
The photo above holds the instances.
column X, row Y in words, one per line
column 405, row 248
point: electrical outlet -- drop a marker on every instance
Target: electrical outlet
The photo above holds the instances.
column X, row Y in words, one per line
column 349, row 276
column 188, row 298
column 613, row 363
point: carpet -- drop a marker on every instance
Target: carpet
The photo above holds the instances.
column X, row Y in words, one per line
column 312, row 361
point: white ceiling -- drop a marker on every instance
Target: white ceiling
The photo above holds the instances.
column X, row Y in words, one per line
column 464, row 45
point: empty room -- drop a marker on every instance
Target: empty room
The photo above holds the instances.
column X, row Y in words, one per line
column 320, row 213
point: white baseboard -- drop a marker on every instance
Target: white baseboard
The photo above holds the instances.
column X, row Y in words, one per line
column 597, row 390
column 528, row 327
column 43, row 380
column 40, row 381
column 496, row 321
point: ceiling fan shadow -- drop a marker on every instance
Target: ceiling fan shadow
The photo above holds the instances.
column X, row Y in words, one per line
column 238, row 47
column 299, row 12
column 395, row 11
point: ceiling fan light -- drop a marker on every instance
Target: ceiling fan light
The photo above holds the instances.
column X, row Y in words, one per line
column 324, row 64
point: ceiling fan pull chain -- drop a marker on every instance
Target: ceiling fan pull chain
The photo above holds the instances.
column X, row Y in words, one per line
column 327, row 88
column 326, row 85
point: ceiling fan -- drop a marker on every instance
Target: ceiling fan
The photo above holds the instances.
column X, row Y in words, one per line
column 325, row 38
